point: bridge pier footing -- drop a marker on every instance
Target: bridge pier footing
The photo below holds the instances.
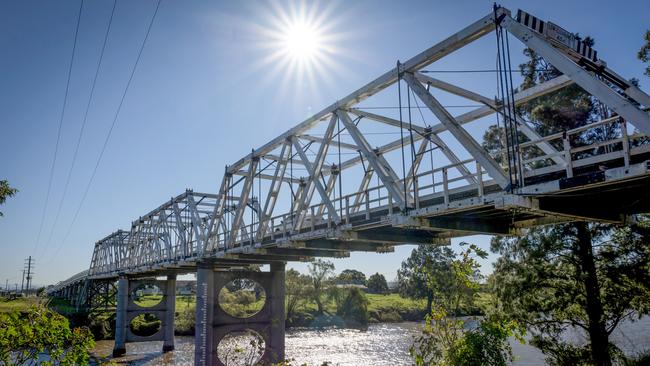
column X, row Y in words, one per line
column 213, row 323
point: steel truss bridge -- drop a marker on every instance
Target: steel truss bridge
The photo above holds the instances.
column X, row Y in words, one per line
column 266, row 212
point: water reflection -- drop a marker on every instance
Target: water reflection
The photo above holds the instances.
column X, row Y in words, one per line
column 381, row 344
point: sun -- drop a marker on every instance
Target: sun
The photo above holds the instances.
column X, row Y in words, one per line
column 302, row 41
column 299, row 48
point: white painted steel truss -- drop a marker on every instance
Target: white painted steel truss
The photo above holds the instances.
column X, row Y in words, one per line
column 286, row 193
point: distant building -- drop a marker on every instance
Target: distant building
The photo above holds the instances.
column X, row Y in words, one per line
column 185, row 288
column 393, row 286
column 352, row 285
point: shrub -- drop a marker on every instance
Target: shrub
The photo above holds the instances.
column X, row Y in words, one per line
column 25, row 335
column 185, row 320
column 354, row 308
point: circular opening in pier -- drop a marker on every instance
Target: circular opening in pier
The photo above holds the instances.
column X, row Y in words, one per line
column 242, row 298
column 241, row 348
column 145, row 325
column 147, row 295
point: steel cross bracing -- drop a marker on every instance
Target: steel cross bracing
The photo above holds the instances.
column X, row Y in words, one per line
column 325, row 187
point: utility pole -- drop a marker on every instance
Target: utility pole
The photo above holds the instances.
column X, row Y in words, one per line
column 29, row 262
column 22, row 282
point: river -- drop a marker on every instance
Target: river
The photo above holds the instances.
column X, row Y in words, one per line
column 382, row 344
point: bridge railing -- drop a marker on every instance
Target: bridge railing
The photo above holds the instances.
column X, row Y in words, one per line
column 440, row 183
column 600, row 141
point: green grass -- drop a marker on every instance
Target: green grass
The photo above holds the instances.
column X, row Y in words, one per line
column 393, row 301
column 148, row 300
column 21, row 303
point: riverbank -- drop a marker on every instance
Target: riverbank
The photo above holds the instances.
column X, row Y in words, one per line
column 382, row 308
column 8, row 305
column 388, row 308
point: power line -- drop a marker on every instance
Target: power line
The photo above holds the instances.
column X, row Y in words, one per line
column 83, row 125
column 110, row 131
column 58, row 135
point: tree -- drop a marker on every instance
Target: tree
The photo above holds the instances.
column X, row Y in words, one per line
column 377, row 284
column 6, row 191
column 25, row 335
column 587, row 276
column 644, row 52
column 298, row 289
column 444, row 340
column 426, row 264
column 320, row 272
column 351, row 277
column 553, row 277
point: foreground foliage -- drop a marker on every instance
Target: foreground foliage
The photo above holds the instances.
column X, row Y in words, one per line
column 6, row 191
column 445, row 342
column 452, row 279
column 40, row 336
column 588, row 277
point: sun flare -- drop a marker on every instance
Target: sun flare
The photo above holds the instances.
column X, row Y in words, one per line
column 303, row 45
column 302, row 41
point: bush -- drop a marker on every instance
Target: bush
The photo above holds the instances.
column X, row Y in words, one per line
column 388, row 316
column 485, row 345
column 185, row 321
column 25, row 335
column 145, row 325
column 445, row 342
column 354, row 308
column 102, row 326
column 642, row 359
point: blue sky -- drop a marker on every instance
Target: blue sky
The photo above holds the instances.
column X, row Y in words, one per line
column 205, row 93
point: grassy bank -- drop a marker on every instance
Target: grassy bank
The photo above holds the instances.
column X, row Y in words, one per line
column 389, row 308
column 21, row 303
column 394, row 308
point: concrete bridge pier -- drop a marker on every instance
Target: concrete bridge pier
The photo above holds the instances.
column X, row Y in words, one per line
column 170, row 311
column 213, row 323
column 119, row 349
column 127, row 310
column 204, row 351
